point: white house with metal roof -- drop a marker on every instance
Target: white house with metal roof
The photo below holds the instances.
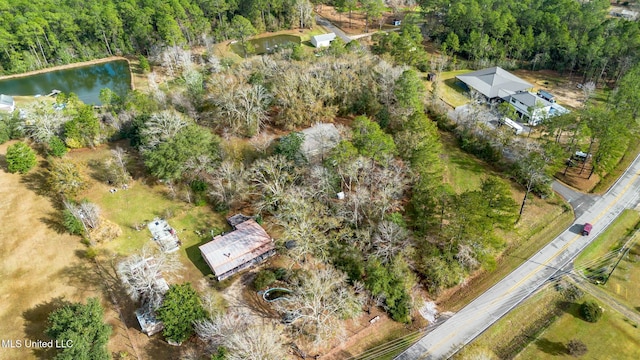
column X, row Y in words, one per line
column 323, row 40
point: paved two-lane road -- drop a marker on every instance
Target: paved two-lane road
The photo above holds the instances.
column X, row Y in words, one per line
column 476, row 317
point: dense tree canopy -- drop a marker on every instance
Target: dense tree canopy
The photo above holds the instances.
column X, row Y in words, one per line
column 40, row 33
column 20, row 158
column 180, row 308
column 566, row 35
column 82, row 328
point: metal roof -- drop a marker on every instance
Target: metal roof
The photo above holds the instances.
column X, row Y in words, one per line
column 227, row 252
column 324, row 37
column 6, row 100
column 494, row 82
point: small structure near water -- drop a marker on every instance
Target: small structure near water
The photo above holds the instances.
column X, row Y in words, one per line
column 164, row 235
column 322, row 40
column 7, row 103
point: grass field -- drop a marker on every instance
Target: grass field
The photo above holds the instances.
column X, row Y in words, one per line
column 141, row 203
column 42, row 266
column 36, row 263
column 610, row 338
column 502, row 335
column 598, row 259
column 449, row 91
column 609, row 240
column 462, row 170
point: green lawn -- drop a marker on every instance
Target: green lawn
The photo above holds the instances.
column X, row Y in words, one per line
column 622, row 284
column 505, row 333
column 610, row 338
column 609, row 240
column 449, row 91
column 461, row 170
column 142, row 203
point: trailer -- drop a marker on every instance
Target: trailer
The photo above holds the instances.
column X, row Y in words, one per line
column 517, row 128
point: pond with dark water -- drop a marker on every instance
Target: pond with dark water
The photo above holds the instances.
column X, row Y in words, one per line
column 85, row 81
column 268, row 44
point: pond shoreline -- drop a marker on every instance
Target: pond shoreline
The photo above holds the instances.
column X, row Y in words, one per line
column 71, row 66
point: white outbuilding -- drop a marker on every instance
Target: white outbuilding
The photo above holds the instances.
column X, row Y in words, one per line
column 323, row 40
column 7, row 103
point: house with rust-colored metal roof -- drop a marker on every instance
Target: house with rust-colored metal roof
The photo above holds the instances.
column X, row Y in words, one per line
column 247, row 245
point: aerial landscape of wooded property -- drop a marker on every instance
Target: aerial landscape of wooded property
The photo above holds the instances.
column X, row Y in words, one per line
column 319, row 179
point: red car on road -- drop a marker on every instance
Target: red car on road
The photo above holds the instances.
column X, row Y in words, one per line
column 586, row 229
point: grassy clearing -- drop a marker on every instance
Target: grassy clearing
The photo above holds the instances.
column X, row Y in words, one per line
column 610, row 238
column 141, row 203
column 462, row 170
column 507, row 333
column 610, row 338
column 449, row 91
column 622, row 284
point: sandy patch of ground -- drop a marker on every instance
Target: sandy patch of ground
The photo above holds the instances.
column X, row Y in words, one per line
column 563, row 87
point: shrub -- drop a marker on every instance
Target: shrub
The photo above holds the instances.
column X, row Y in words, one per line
column 264, row 279
column 57, row 147
column 591, row 311
column 144, row 64
column 281, row 273
column 71, row 223
column 576, row 348
column 20, row 158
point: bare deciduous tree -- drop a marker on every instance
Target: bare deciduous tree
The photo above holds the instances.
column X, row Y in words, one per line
column 88, row 213
column 271, row 177
column 320, row 302
column 142, row 274
column 161, row 127
column 42, row 122
column 116, row 167
column 242, row 337
column 228, row 183
column 389, row 240
column 243, row 108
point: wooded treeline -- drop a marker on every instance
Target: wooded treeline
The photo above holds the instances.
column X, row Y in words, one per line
column 565, row 35
column 36, row 34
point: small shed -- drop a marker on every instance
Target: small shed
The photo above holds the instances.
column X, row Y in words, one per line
column 164, row 235
column 7, row 103
column 396, row 22
column 149, row 323
column 323, row 40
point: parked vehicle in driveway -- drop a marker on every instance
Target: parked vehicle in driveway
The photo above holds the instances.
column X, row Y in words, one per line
column 586, row 229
